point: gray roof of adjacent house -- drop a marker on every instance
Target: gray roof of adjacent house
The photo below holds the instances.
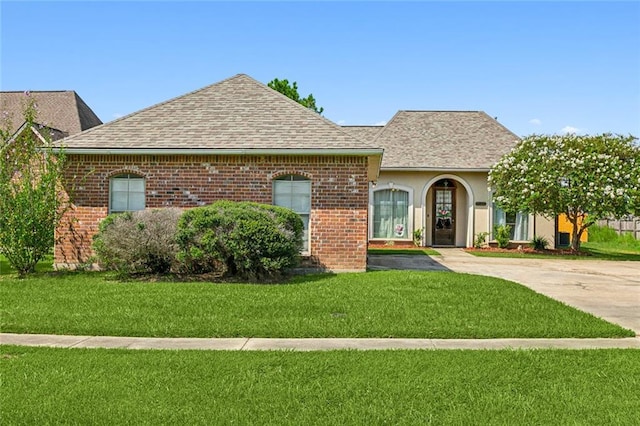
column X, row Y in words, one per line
column 443, row 140
column 236, row 115
column 63, row 111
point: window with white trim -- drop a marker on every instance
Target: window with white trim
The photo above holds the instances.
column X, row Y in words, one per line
column 518, row 222
column 294, row 192
column 126, row 193
column 391, row 213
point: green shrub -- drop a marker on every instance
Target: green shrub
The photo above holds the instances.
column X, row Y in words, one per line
column 417, row 237
column 480, row 240
column 539, row 243
column 243, row 239
column 502, row 235
column 138, row 242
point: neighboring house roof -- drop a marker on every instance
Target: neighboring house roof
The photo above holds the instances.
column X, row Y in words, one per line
column 443, row 140
column 237, row 115
column 63, row 112
column 364, row 133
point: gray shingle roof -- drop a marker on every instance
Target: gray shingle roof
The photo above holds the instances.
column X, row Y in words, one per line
column 443, row 140
column 364, row 133
column 237, row 113
column 61, row 110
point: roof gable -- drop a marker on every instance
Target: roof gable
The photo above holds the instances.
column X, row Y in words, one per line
column 443, row 140
column 235, row 114
column 63, row 111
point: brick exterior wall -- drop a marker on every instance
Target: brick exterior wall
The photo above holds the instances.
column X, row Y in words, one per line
column 339, row 196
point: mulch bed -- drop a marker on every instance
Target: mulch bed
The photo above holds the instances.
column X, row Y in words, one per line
column 529, row 250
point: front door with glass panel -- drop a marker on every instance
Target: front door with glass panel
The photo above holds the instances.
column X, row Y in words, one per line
column 444, row 213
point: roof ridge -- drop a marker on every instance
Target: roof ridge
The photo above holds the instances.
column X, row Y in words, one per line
column 499, row 123
column 257, row 83
column 36, row 91
column 124, row 117
column 386, row 126
column 441, row 110
column 309, row 110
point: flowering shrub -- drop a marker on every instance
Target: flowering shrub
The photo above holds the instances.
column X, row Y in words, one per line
column 585, row 177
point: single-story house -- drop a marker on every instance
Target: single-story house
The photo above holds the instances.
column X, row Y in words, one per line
column 433, row 180
column 236, row 140
column 240, row 140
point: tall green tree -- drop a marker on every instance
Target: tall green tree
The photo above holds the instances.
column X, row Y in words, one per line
column 30, row 191
column 291, row 91
column 585, row 177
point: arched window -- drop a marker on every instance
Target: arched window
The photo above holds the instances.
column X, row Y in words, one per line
column 294, row 192
column 391, row 213
column 126, row 193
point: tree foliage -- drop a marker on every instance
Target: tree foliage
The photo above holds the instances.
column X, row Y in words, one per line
column 30, row 202
column 585, row 177
column 291, row 91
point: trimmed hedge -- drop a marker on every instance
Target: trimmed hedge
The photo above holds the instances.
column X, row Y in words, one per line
column 244, row 239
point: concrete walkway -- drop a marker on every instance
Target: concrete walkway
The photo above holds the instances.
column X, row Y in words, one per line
column 258, row 344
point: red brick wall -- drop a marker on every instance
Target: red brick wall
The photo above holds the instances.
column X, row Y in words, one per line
column 339, row 196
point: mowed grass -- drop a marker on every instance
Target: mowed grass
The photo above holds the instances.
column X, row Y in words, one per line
column 100, row 386
column 612, row 251
column 44, row 265
column 374, row 304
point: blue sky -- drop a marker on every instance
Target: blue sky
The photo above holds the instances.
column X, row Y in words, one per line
column 539, row 67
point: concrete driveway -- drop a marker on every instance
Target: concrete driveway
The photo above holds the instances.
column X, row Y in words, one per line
column 607, row 289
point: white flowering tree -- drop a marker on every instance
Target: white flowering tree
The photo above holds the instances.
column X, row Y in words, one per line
column 585, row 177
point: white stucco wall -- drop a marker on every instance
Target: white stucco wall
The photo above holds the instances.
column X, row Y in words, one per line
column 473, row 204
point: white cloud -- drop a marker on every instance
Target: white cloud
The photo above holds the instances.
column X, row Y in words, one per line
column 535, row 121
column 117, row 115
column 570, row 129
column 380, row 123
column 342, row 122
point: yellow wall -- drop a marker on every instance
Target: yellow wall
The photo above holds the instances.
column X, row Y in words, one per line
column 565, row 226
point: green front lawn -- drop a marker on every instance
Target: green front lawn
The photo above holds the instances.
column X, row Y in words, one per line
column 373, row 304
column 611, row 251
column 42, row 266
column 99, row 386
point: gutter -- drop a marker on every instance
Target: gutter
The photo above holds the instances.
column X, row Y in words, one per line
column 433, row 169
column 218, row 151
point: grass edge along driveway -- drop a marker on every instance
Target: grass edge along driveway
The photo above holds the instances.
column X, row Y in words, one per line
column 382, row 304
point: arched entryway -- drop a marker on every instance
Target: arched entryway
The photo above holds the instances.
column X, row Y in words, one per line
column 443, row 229
column 448, row 212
